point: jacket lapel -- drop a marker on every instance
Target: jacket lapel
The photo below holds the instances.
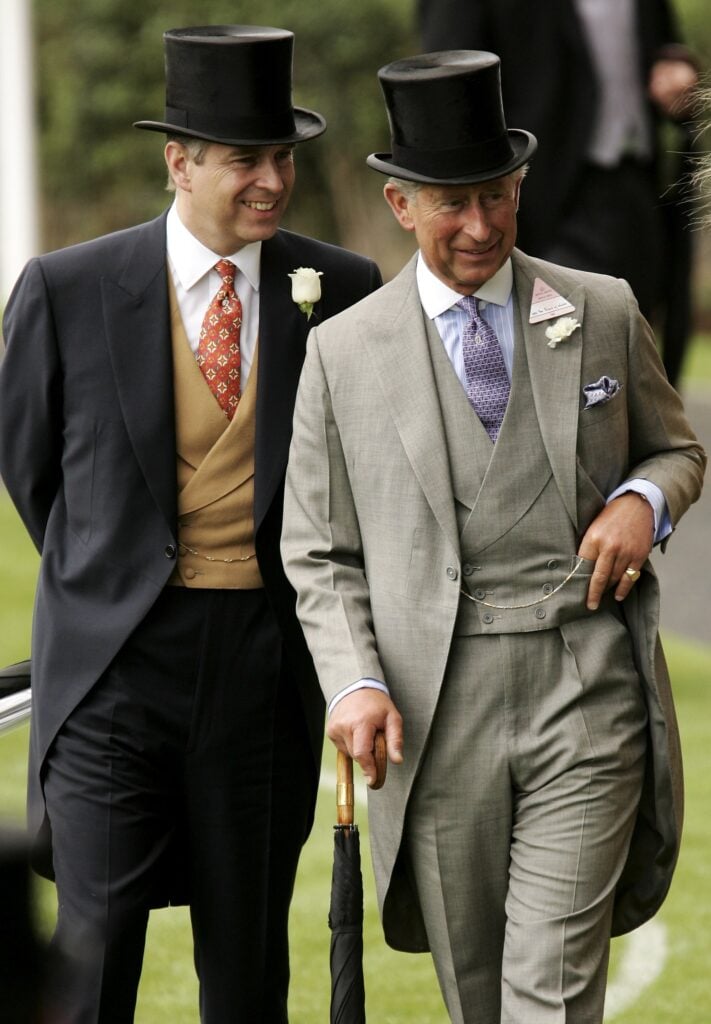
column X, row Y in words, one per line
column 555, row 375
column 137, row 324
column 398, row 352
column 283, row 330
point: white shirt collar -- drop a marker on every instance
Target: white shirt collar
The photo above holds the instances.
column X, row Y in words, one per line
column 437, row 297
column 191, row 260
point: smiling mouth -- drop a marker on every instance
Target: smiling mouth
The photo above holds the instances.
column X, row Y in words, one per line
column 479, row 252
column 262, row 207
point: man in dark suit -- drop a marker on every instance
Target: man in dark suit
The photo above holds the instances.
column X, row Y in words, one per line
column 147, row 394
column 593, row 80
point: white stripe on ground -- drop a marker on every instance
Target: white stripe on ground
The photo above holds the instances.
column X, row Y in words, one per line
column 641, row 962
column 644, row 952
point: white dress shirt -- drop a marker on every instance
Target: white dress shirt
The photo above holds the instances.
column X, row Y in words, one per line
column 197, row 282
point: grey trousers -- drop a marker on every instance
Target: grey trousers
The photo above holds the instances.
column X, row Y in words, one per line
column 521, row 818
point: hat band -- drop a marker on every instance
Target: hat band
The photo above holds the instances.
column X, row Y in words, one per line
column 457, row 161
column 271, row 124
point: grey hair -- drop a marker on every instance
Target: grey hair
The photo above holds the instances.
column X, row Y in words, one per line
column 196, row 148
column 410, row 189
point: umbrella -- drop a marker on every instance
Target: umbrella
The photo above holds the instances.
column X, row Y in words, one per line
column 15, row 697
column 345, row 917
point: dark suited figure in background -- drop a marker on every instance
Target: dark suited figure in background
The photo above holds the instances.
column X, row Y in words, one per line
column 594, row 80
column 147, row 394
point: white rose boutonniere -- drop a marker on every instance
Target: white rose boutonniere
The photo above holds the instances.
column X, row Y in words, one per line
column 306, row 288
column 561, row 330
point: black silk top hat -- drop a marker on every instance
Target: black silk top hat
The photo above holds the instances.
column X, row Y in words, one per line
column 447, row 121
column 232, row 84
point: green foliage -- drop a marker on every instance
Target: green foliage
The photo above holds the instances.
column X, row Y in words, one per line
column 694, row 20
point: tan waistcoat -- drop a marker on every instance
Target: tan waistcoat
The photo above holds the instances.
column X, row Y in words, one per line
column 215, row 467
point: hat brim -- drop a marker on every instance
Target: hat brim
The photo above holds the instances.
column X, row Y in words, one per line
column 307, row 125
column 523, row 144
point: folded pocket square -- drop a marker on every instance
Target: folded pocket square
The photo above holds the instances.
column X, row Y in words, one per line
column 601, row 391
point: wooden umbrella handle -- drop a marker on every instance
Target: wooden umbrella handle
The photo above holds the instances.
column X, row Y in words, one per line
column 344, row 778
column 380, row 753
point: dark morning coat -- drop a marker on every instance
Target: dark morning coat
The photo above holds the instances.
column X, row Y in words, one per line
column 88, row 450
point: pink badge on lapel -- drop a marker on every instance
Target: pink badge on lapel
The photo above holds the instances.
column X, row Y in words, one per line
column 547, row 303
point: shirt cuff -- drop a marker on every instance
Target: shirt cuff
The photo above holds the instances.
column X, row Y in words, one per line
column 655, row 497
column 360, row 684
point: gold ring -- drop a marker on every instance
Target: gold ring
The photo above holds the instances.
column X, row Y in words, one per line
column 633, row 574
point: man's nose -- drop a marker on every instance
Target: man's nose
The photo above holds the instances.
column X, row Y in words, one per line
column 269, row 177
column 476, row 223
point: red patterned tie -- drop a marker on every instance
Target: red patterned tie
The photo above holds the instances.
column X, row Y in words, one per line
column 218, row 353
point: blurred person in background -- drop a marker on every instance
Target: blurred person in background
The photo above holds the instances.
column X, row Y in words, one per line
column 596, row 81
column 146, row 398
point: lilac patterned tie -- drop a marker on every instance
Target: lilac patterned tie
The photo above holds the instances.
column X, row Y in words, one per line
column 487, row 382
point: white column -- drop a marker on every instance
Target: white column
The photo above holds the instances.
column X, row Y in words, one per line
column 19, row 230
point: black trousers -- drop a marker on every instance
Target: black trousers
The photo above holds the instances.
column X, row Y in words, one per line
column 192, row 740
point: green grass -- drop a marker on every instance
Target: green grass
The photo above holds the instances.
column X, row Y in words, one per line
column 401, row 989
column 697, row 365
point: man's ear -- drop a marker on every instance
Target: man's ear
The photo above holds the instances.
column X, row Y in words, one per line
column 178, row 163
column 400, row 205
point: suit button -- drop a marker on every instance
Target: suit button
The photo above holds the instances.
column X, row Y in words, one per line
column 547, row 588
column 189, row 573
column 540, row 613
column 452, row 572
column 553, row 564
column 479, row 594
column 170, row 551
column 488, row 618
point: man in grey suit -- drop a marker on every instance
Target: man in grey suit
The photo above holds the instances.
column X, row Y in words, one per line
column 484, row 453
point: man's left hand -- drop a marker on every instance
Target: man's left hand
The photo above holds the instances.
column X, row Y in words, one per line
column 671, row 86
column 619, row 538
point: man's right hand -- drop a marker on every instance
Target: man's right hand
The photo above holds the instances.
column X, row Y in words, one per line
column 354, row 721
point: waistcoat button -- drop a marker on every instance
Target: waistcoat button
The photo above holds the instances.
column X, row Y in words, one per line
column 487, row 618
column 479, row 594
column 540, row 613
column 553, row 564
column 547, row 588
column 189, row 573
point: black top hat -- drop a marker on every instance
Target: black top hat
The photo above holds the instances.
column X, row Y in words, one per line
column 447, row 120
column 232, row 84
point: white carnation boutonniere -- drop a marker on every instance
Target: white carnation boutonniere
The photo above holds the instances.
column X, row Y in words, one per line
column 306, row 288
column 561, row 330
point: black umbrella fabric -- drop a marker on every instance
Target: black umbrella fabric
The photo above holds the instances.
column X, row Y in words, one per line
column 345, row 917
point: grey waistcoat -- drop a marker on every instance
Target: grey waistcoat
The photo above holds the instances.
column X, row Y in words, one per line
column 518, row 543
